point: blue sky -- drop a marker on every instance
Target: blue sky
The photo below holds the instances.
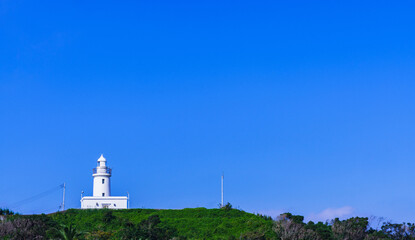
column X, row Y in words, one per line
column 306, row 107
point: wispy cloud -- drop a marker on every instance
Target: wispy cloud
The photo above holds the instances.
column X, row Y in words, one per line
column 331, row 213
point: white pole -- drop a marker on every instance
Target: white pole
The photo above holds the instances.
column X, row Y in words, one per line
column 63, row 201
column 222, row 190
column 128, row 200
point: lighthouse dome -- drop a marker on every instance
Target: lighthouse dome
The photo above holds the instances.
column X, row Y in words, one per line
column 102, row 159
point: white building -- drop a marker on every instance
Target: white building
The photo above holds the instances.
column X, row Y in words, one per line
column 102, row 190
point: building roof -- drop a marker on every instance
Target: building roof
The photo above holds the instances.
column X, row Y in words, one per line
column 102, row 159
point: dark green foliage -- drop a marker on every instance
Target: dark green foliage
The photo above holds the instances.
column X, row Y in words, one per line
column 352, row 228
column 323, row 230
column 150, row 229
column 65, row 232
column 292, row 227
column 6, row 212
column 295, row 218
column 404, row 231
column 255, row 235
column 101, row 235
column 23, row 228
column 378, row 235
column 108, row 217
column 227, row 206
column 268, row 218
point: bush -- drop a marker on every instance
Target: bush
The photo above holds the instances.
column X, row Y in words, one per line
column 227, row 206
column 6, row 212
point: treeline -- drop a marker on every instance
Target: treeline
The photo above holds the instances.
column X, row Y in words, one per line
column 292, row 227
column 197, row 223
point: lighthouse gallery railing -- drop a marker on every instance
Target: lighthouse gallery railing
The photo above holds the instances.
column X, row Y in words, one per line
column 107, row 170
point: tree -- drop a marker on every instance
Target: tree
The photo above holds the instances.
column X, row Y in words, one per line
column 6, row 212
column 323, row 230
column 291, row 227
column 350, row 229
column 23, row 228
column 66, row 232
column 404, row 231
column 227, row 206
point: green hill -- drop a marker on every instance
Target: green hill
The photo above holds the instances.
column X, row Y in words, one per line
column 195, row 223
column 190, row 223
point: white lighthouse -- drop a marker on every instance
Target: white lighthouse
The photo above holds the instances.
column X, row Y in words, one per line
column 102, row 175
column 102, row 189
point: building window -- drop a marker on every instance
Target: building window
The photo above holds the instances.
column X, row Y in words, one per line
column 103, row 194
column 103, row 180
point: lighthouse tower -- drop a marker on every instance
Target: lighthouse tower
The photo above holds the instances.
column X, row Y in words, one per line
column 102, row 189
column 102, row 174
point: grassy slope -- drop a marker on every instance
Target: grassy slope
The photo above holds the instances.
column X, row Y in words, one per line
column 195, row 223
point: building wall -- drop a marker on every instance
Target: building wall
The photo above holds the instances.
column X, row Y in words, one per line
column 101, row 187
column 104, row 202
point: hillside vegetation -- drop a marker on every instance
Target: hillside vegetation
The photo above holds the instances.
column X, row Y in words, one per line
column 195, row 223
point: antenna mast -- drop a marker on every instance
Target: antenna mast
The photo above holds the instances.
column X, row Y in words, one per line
column 63, row 200
column 223, row 175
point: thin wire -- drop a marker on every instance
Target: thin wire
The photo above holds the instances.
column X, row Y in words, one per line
column 36, row 197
